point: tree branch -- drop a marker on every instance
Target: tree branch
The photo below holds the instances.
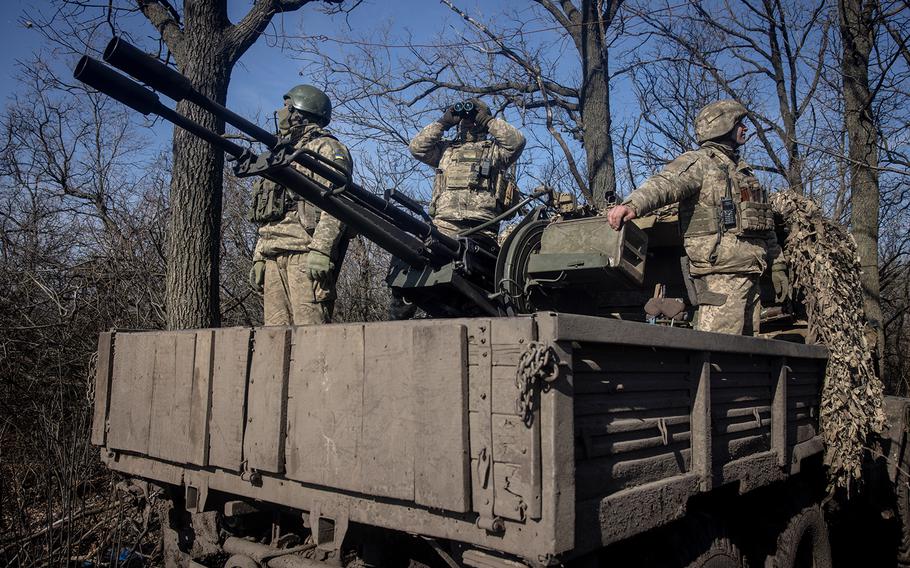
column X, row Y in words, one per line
column 164, row 18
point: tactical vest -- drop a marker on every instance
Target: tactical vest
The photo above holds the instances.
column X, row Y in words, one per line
column 271, row 201
column 747, row 214
column 471, row 167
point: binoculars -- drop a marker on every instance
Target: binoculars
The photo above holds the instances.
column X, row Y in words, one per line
column 465, row 108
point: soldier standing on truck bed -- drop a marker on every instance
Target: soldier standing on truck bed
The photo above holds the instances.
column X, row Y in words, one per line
column 725, row 219
column 299, row 246
column 472, row 183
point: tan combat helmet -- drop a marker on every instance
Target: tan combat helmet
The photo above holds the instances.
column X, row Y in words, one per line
column 718, row 119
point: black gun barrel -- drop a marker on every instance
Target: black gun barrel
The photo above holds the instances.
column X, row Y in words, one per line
column 137, row 63
column 393, row 239
column 101, row 77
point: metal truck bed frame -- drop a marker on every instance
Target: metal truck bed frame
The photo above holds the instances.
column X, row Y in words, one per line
column 413, row 426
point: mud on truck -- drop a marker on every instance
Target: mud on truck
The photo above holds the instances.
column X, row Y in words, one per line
column 554, row 409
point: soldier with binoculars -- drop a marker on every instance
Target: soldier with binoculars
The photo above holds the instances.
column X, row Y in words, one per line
column 472, row 183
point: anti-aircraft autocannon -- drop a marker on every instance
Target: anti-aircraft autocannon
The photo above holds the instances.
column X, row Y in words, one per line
column 565, row 262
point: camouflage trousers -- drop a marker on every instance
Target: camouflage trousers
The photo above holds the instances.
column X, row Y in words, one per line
column 740, row 313
column 290, row 296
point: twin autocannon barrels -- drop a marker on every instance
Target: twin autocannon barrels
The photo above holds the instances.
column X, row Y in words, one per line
column 412, row 240
column 566, row 261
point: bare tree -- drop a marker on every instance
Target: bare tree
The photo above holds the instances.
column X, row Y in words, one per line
column 81, row 250
column 857, row 30
column 756, row 49
column 205, row 46
column 508, row 58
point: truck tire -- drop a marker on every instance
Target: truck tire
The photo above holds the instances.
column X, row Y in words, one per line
column 720, row 553
column 701, row 542
column 804, row 542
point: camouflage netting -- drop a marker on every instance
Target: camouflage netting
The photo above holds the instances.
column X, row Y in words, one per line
column 825, row 267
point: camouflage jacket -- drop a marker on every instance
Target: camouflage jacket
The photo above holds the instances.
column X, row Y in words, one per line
column 305, row 227
column 502, row 150
column 697, row 180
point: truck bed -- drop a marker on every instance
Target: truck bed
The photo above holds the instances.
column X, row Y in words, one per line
column 414, row 426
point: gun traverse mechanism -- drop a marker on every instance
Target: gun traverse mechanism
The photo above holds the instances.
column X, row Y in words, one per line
column 444, row 276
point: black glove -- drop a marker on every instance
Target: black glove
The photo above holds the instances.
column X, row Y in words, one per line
column 483, row 116
column 448, row 119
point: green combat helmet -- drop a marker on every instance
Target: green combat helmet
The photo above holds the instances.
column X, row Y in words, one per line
column 309, row 99
column 718, row 119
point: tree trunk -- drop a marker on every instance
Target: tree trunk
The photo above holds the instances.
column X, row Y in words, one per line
column 857, row 34
column 594, row 102
column 197, row 179
column 794, row 159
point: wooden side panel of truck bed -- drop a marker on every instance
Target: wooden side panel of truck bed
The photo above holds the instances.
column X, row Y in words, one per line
column 414, row 425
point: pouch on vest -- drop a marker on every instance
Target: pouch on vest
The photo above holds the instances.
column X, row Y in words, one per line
column 699, row 221
column 439, row 185
column 507, row 192
column 754, row 216
column 468, row 169
column 309, row 215
column 270, row 202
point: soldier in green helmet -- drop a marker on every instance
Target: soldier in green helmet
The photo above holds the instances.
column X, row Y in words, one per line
column 472, row 183
column 724, row 217
column 299, row 246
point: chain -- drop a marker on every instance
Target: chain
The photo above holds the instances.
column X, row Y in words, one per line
column 538, row 363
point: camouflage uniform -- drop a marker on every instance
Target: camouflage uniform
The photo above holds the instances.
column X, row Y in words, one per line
column 726, row 261
column 461, row 198
column 291, row 295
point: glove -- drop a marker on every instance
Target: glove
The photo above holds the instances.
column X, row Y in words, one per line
column 257, row 275
column 448, row 120
column 319, row 266
column 781, row 281
column 483, row 116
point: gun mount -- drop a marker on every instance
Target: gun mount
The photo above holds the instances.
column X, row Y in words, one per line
column 570, row 262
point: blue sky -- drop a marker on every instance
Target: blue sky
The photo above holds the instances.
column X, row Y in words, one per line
column 265, row 72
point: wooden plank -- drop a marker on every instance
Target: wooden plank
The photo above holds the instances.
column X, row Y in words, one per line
column 510, row 338
column 516, row 464
column 701, row 443
column 229, row 378
column 440, row 367
column 182, row 412
column 164, row 432
column 131, row 392
column 779, row 415
column 572, row 327
column 504, row 389
column 481, row 434
column 197, row 451
column 389, row 407
column 263, row 442
column 104, row 366
column 557, row 445
column 325, row 405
